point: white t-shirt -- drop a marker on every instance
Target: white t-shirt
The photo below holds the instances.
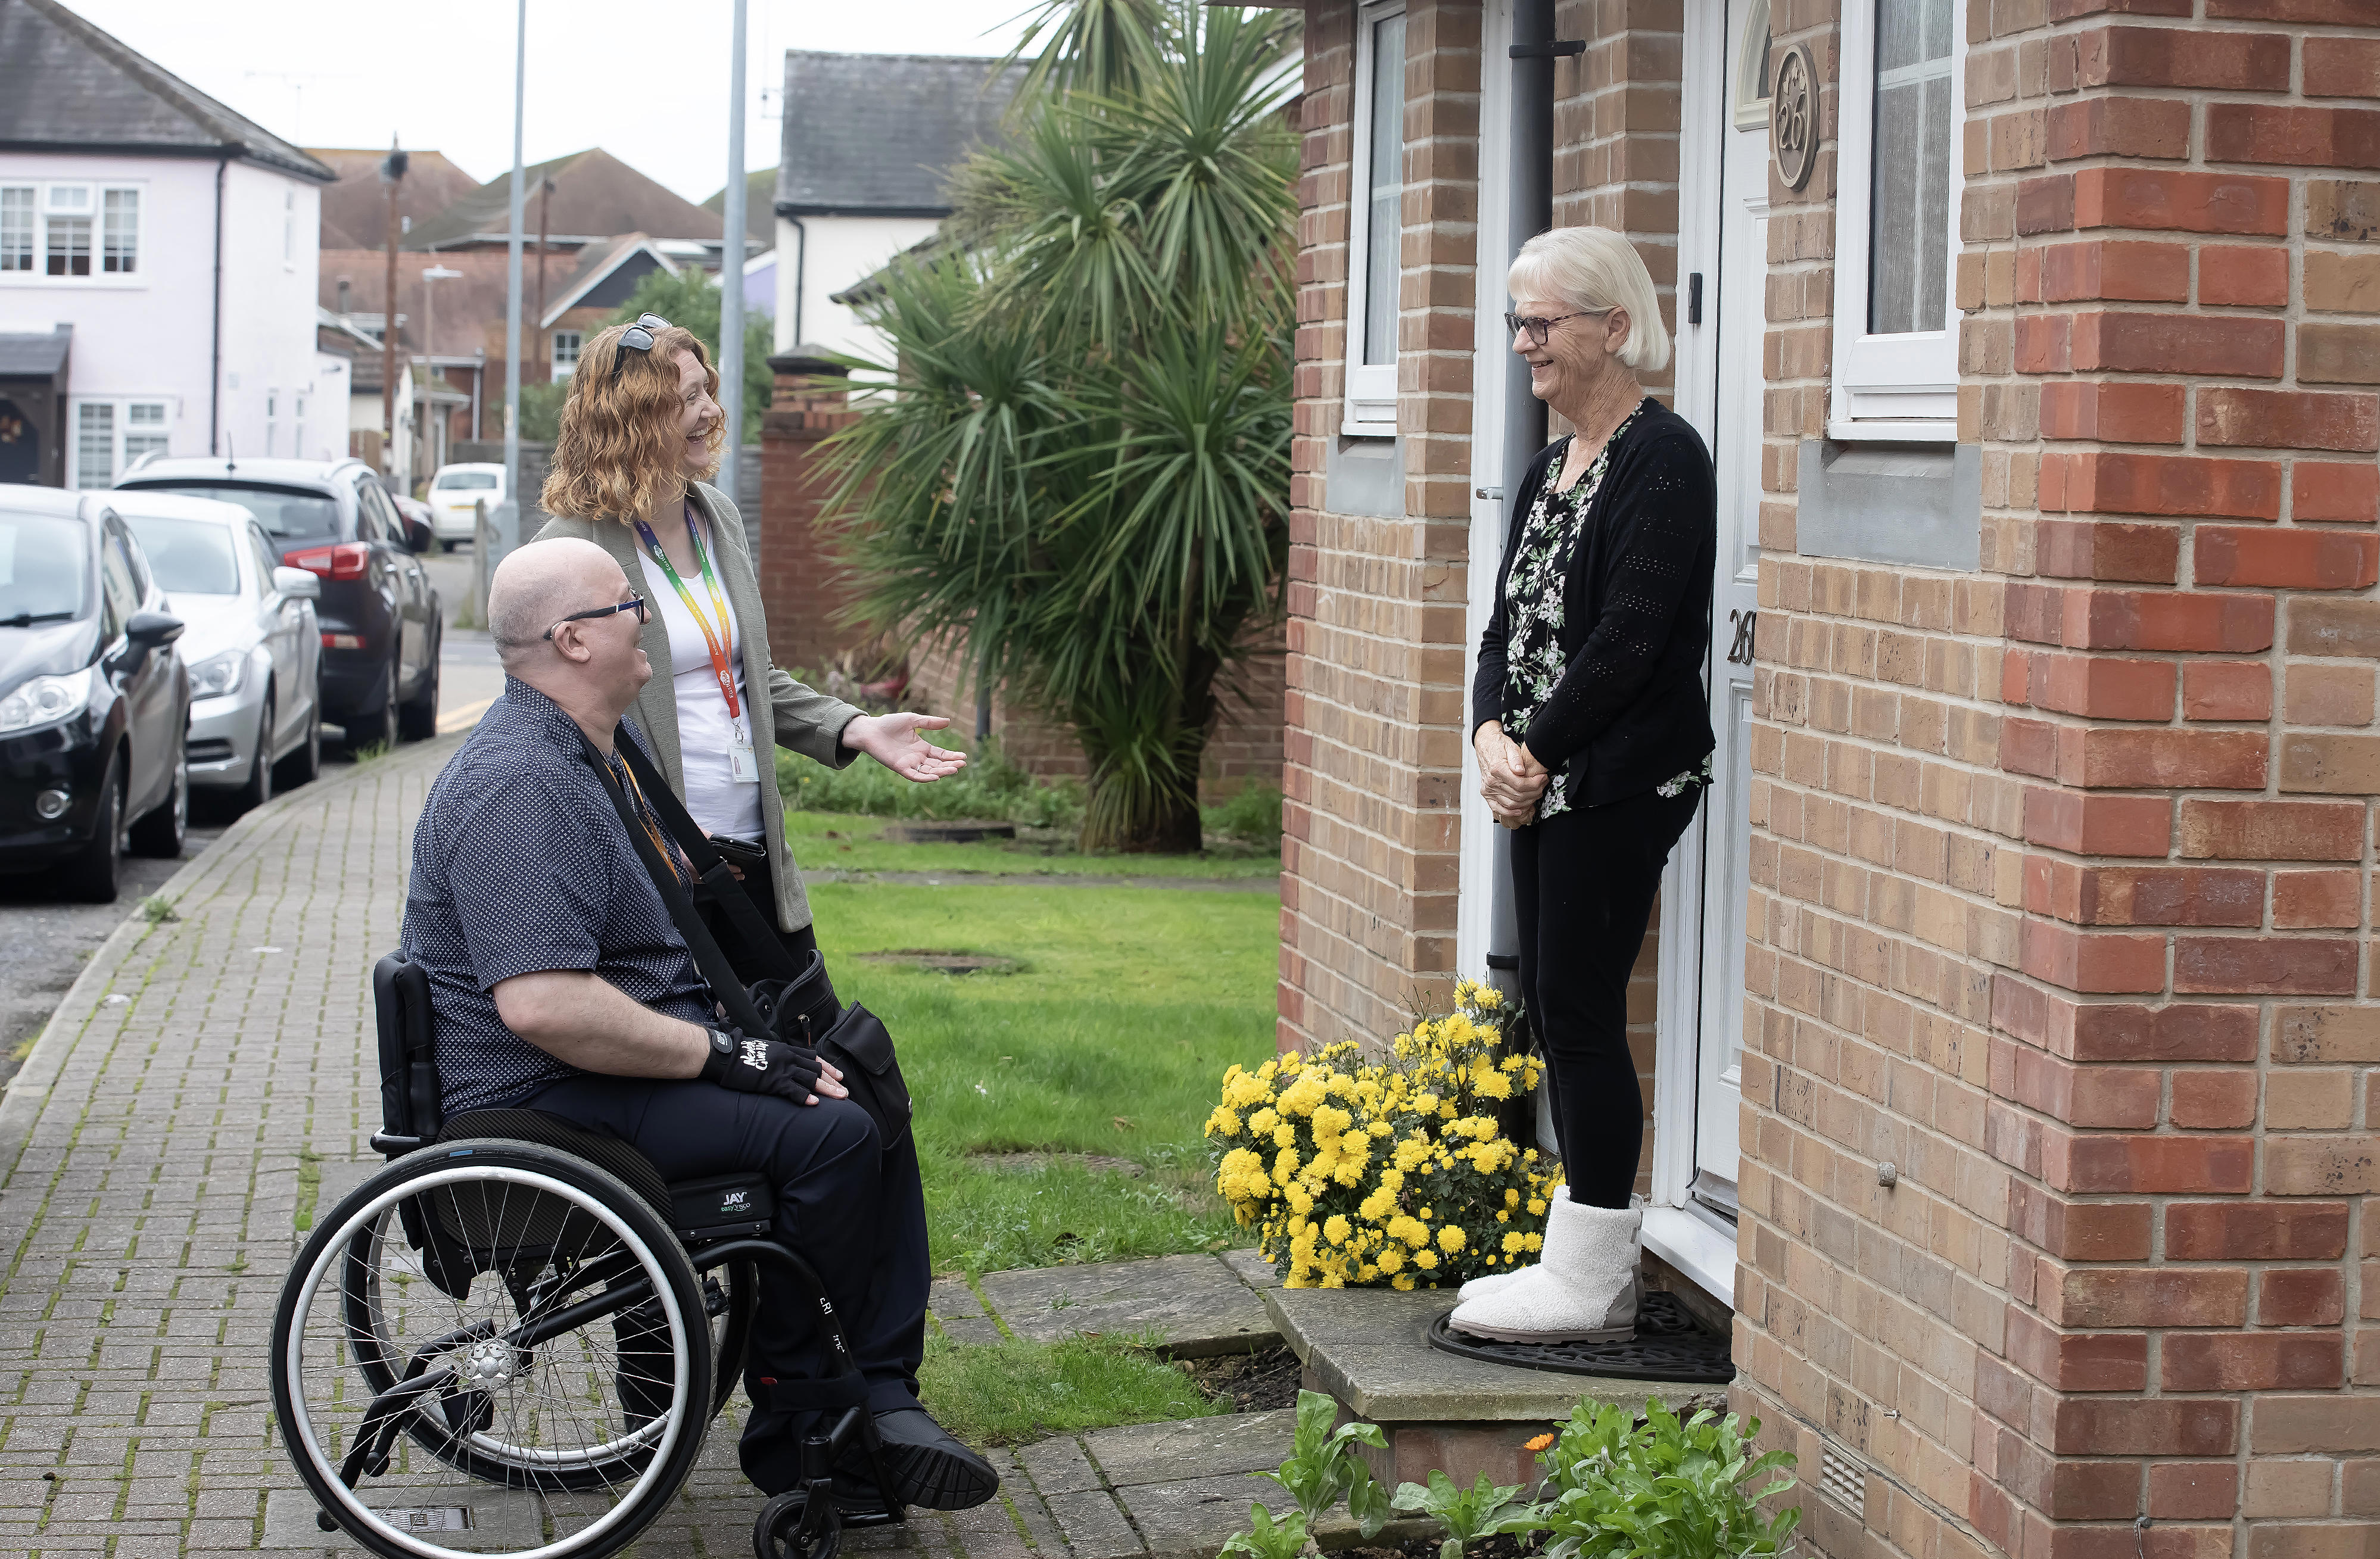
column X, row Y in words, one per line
column 719, row 802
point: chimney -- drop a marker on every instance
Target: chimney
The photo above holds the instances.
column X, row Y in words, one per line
column 344, row 310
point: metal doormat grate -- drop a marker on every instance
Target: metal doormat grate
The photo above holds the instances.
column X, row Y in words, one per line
column 1668, row 1345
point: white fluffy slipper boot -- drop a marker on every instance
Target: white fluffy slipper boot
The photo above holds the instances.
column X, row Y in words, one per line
column 1489, row 1283
column 1585, row 1291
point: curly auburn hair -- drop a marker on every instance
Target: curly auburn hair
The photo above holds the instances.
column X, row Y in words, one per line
column 618, row 455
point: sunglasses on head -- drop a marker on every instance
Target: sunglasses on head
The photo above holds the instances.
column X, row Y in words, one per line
column 1539, row 327
column 638, row 337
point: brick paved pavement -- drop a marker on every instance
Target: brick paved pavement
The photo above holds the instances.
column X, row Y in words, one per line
column 152, row 1150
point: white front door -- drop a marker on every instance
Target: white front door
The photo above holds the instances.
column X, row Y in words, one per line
column 1742, row 320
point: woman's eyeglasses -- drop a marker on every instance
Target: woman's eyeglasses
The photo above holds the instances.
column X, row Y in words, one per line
column 638, row 337
column 1539, row 327
column 635, row 603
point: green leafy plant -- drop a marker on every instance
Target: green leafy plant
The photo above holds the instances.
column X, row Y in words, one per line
column 1264, row 1539
column 156, row 909
column 1616, row 1488
column 1323, row 1467
column 1251, row 814
column 1074, row 460
column 1466, row 1514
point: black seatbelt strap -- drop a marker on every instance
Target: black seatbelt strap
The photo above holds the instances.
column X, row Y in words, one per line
column 758, row 937
column 708, row 957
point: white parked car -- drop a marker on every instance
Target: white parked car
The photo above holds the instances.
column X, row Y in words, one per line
column 452, row 491
column 253, row 646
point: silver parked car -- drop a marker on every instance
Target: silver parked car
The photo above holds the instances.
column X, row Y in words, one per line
column 253, row 646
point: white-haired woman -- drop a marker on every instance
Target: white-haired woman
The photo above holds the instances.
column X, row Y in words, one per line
column 1594, row 737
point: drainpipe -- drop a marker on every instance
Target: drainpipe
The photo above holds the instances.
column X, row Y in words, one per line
column 801, row 264
column 215, row 351
column 1530, row 202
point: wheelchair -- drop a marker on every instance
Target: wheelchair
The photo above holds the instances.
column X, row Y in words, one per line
column 514, row 1300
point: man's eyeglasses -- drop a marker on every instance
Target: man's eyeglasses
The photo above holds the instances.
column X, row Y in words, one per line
column 638, row 337
column 1539, row 327
column 635, row 603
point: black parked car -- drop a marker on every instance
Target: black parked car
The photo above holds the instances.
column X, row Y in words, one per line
column 379, row 614
column 94, row 701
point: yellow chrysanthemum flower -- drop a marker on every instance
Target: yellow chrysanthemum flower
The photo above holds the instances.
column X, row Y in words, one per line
column 1426, row 1260
column 1514, row 1244
column 1450, row 1240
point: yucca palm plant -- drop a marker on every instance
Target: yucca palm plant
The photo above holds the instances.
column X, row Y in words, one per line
column 1077, row 461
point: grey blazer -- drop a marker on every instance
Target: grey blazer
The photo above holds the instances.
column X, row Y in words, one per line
column 792, row 716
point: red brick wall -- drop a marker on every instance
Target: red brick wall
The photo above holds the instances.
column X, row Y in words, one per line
column 802, row 586
column 1375, row 736
column 2058, row 866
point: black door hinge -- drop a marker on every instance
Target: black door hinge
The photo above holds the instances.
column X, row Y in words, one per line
column 1694, row 298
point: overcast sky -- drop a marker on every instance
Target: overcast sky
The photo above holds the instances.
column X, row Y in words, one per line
column 646, row 81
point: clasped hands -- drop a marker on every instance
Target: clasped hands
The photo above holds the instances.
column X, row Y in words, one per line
column 1511, row 779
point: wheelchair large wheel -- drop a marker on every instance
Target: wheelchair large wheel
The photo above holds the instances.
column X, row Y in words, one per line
column 552, row 1341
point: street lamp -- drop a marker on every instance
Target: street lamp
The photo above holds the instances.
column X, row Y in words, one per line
column 437, row 450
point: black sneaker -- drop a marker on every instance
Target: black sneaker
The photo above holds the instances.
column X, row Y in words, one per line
column 929, row 1467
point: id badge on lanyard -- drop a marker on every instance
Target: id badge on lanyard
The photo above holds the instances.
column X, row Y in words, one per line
column 743, row 764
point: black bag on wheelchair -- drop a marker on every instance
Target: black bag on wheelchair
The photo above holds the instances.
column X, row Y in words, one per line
column 764, row 993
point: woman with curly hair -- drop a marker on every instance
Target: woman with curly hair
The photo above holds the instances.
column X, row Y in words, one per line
column 641, row 433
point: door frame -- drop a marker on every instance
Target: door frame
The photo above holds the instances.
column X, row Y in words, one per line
column 1697, row 1242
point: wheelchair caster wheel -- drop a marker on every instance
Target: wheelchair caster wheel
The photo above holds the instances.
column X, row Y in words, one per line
column 322, row 1519
column 781, row 1532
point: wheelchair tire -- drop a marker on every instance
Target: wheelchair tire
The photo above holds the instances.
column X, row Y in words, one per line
column 546, row 1234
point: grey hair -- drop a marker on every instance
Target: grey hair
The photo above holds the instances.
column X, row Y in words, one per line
column 1594, row 268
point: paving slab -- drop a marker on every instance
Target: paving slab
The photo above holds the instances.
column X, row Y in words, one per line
column 1198, row 1304
column 959, row 1313
column 1195, row 1448
column 1253, row 1269
column 1093, row 1526
column 1059, row 1467
column 1192, row 1518
column 498, row 1519
column 1369, row 1348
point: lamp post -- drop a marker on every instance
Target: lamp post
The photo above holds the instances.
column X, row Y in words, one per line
column 436, row 444
column 510, row 530
column 731, row 271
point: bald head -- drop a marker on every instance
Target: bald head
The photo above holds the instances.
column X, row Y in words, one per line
column 543, row 583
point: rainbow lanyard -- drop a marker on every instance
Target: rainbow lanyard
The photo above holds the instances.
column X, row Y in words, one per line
column 720, row 665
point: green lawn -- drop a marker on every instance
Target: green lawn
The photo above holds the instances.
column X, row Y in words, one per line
column 842, row 841
column 1110, row 1038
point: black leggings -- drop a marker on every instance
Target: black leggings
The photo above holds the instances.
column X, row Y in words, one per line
column 1584, row 883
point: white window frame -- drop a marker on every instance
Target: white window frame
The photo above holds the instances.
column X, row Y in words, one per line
column 120, row 430
column 95, row 212
column 561, row 370
column 1901, row 388
column 1370, row 403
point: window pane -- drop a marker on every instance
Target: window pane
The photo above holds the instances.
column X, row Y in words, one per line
column 120, row 241
column 1387, row 184
column 94, row 445
column 43, row 566
column 188, row 557
column 565, row 353
column 284, row 512
column 69, row 247
column 17, row 229
column 1909, row 241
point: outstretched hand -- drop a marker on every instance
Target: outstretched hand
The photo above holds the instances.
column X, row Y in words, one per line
column 892, row 741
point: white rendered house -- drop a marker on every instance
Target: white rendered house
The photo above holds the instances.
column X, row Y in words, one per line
column 177, row 240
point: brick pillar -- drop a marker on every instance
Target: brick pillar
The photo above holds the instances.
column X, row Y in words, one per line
column 2060, row 868
column 1374, row 728
column 802, row 586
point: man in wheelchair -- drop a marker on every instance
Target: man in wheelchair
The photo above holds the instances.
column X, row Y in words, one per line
column 560, row 984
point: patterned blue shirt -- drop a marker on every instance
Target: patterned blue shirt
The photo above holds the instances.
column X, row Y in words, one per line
column 520, row 865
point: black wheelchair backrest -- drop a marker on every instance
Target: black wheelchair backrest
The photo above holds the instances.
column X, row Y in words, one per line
column 410, row 1109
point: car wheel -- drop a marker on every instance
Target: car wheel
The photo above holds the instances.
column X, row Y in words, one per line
column 418, row 717
column 91, row 875
column 300, row 766
column 445, row 546
column 376, row 729
column 163, row 832
column 259, row 789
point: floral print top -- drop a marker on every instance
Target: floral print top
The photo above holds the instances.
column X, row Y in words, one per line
column 1532, row 597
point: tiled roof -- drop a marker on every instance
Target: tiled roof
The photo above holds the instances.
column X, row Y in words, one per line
column 355, row 210
column 66, row 84
column 595, row 196
column 880, row 133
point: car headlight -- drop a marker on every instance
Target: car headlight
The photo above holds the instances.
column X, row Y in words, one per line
column 46, row 700
column 219, row 674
